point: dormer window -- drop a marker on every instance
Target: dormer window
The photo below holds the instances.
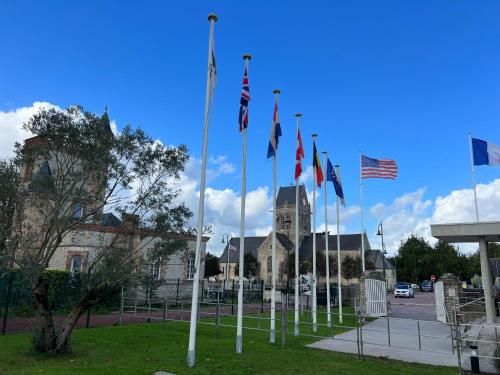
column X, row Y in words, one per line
column 77, row 211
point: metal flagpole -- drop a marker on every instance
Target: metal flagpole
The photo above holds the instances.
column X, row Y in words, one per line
column 194, row 303
column 362, row 216
column 297, row 226
column 327, row 260
column 339, row 267
column 239, row 329
column 473, row 175
column 314, row 317
column 272, row 336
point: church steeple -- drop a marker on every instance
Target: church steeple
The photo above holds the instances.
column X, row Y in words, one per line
column 285, row 210
column 104, row 122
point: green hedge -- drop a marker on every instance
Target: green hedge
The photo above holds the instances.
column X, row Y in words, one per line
column 65, row 289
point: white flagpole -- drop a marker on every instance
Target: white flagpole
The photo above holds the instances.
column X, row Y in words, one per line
column 362, row 216
column 339, row 266
column 239, row 325
column 327, row 259
column 272, row 336
column 194, row 303
column 314, row 317
column 297, row 226
column 473, row 175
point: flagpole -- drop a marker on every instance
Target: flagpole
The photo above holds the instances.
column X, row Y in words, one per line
column 473, row 175
column 328, row 311
column 239, row 325
column 362, row 216
column 272, row 335
column 212, row 18
column 296, row 327
column 339, row 267
column 314, row 317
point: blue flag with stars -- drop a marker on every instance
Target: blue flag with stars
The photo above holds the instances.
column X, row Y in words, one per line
column 332, row 176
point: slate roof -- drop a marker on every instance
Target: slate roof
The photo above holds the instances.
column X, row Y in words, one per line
column 42, row 180
column 110, row 220
column 251, row 246
column 347, row 242
column 286, row 195
column 376, row 257
column 104, row 122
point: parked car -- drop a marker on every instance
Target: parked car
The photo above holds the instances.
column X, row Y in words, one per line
column 403, row 290
column 426, row 286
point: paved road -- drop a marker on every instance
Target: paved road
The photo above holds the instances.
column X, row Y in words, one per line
column 421, row 307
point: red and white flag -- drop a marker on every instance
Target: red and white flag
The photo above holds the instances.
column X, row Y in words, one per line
column 299, row 155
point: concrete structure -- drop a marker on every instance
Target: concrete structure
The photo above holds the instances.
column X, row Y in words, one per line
column 481, row 232
column 260, row 247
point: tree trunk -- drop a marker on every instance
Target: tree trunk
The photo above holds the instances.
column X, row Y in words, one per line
column 44, row 338
column 90, row 299
column 62, row 344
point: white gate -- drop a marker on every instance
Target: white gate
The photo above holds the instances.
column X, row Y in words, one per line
column 376, row 298
column 440, row 303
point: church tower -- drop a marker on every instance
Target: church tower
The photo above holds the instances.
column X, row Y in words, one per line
column 285, row 213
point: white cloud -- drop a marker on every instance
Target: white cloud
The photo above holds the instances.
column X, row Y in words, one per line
column 222, row 206
column 11, row 126
column 406, row 214
column 458, row 206
column 412, row 213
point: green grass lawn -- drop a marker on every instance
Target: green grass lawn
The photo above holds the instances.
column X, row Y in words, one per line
column 146, row 348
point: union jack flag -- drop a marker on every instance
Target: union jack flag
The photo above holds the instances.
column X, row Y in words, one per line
column 245, row 98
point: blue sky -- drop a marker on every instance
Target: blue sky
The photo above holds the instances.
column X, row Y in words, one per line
column 399, row 79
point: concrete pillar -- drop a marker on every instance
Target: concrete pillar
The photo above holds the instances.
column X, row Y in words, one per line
column 489, row 297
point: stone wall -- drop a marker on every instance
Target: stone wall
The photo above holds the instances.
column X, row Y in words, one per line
column 452, row 288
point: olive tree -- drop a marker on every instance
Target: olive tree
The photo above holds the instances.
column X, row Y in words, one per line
column 74, row 171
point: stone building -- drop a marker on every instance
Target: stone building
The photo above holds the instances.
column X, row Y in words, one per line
column 260, row 247
column 98, row 229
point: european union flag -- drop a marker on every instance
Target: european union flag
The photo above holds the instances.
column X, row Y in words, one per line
column 332, row 176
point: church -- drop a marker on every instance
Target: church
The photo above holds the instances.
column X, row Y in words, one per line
column 260, row 246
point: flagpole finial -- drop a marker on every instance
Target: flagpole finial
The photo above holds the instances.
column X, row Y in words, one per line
column 247, row 56
column 212, row 17
column 276, row 91
column 314, row 136
column 298, row 114
column 325, row 153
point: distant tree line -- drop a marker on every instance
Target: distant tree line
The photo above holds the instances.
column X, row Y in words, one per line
column 417, row 260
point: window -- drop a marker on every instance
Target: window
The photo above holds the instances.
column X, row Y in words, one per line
column 76, row 263
column 89, row 219
column 155, row 270
column 269, row 264
column 190, row 269
column 282, row 222
column 77, row 211
column 288, row 221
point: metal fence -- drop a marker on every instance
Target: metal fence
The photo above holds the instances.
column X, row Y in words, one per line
column 466, row 338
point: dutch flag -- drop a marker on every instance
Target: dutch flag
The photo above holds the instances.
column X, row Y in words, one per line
column 485, row 153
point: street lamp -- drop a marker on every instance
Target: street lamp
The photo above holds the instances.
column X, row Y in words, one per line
column 226, row 238
column 380, row 232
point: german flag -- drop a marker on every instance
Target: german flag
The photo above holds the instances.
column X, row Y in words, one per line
column 317, row 166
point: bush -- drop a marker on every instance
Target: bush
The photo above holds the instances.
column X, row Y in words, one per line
column 65, row 289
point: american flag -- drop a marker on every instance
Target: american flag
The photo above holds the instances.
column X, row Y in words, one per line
column 378, row 168
column 245, row 98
